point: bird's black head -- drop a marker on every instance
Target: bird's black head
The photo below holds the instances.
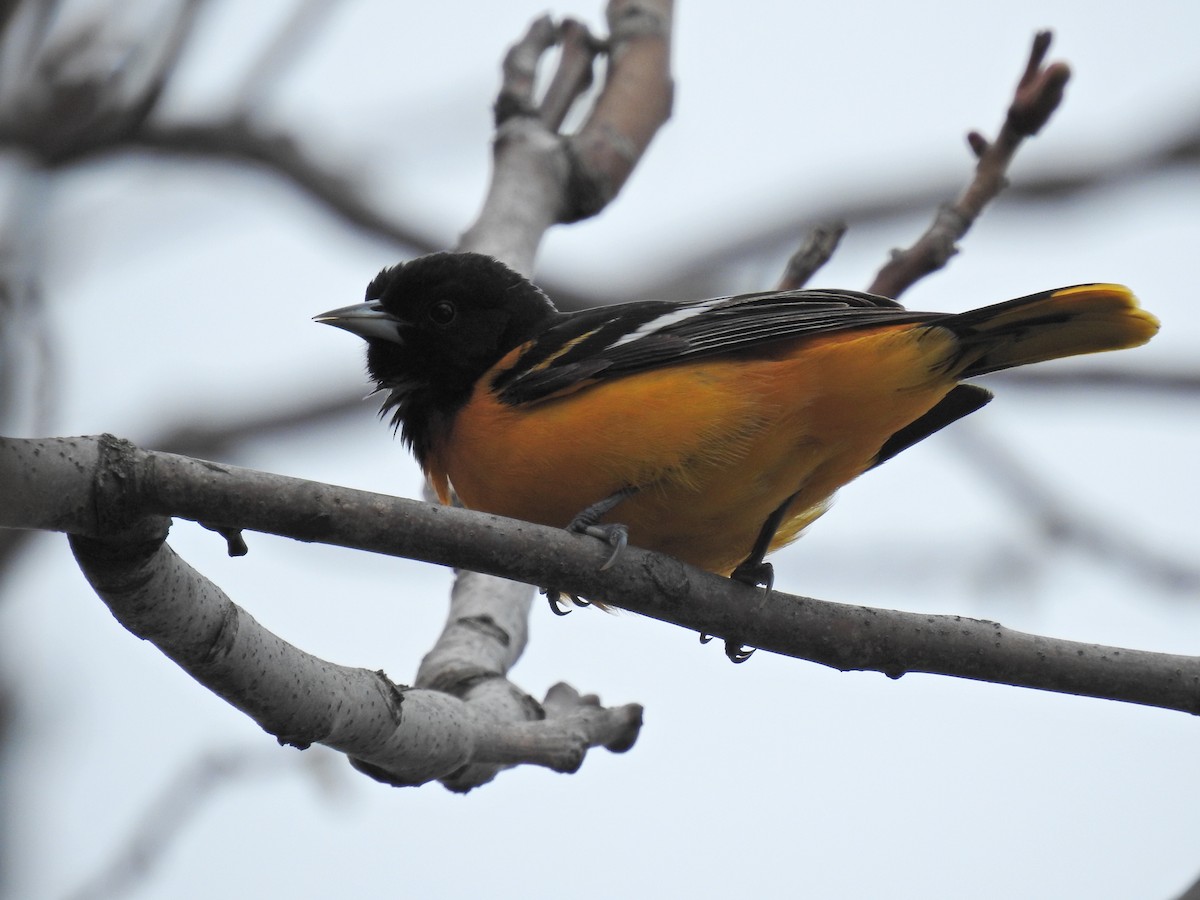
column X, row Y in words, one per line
column 433, row 326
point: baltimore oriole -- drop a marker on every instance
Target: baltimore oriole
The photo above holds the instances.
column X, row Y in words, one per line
column 713, row 430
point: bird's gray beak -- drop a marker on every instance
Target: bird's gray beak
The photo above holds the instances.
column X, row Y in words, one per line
column 368, row 320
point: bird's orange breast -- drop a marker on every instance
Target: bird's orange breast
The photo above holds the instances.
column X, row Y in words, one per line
column 713, row 446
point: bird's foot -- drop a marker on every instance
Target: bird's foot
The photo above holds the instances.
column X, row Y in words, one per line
column 753, row 573
column 616, row 536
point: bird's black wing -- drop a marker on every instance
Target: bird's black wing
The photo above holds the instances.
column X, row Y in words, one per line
column 609, row 342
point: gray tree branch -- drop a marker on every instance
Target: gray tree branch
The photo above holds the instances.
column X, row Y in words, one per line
column 395, row 733
column 96, row 487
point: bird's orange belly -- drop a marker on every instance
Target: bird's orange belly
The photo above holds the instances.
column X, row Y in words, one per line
column 713, row 448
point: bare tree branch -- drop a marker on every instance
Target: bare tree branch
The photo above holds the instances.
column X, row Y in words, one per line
column 1038, row 94
column 519, row 71
column 396, row 734
column 69, row 484
column 573, row 76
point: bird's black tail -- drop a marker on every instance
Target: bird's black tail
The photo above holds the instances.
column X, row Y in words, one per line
column 1086, row 318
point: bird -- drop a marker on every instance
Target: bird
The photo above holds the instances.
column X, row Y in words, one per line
column 711, row 430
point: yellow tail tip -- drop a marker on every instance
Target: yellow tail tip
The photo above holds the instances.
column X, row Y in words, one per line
column 1069, row 321
column 1113, row 302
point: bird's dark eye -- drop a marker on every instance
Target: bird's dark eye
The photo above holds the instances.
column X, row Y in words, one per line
column 442, row 312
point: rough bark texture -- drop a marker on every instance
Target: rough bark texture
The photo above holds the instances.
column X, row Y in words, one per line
column 145, row 485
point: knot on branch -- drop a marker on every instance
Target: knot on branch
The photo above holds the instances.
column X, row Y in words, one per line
column 119, row 491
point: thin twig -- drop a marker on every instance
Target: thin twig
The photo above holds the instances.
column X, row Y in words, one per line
column 519, row 70
column 1192, row 892
column 1038, row 94
column 573, row 76
column 818, row 246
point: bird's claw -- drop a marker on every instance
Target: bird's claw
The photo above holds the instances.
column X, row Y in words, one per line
column 752, row 574
column 736, row 653
column 559, row 605
column 734, row 650
column 616, row 536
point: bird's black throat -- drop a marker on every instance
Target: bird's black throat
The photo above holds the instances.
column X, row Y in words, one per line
column 457, row 315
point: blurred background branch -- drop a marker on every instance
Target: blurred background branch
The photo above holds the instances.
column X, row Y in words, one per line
column 199, row 782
